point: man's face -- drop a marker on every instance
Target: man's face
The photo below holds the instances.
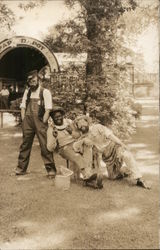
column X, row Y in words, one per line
column 58, row 118
column 83, row 126
column 33, row 83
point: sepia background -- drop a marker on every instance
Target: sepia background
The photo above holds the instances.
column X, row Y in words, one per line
column 100, row 58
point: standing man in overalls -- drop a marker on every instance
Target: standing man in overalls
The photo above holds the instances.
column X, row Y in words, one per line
column 35, row 109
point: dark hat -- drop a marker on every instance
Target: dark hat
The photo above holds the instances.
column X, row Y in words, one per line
column 57, row 109
column 31, row 74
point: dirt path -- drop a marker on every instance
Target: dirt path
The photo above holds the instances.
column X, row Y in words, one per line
column 34, row 215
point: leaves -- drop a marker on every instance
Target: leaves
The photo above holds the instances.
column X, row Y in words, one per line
column 6, row 16
column 97, row 31
column 31, row 4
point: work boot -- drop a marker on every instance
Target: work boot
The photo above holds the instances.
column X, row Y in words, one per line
column 20, row 171
column 51, row 170
column 141, row 183
column 51, row 174
column 121, row 176
column 99, row 181
column 94, row 181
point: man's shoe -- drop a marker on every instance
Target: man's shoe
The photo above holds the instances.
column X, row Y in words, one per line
column 93, row 177
column 20, row 171
column 142, row 184
column 99, row 181
column 119, row 177
column 94, row 181
column 51, row 174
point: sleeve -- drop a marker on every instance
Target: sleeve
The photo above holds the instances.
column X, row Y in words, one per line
column 75, row 133
column 51, row 140
column 47, row 99
column 106, row 132
column 24, row 99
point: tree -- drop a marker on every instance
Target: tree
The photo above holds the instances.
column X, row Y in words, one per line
column 94, row 31
column 7, row 19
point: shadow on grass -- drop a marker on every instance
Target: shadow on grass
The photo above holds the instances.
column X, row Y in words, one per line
column 36, row 235
column 130, row 213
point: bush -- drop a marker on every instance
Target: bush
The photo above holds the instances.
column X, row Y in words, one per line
column 105, row 100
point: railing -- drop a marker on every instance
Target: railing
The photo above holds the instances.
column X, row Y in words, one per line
column 2, row 111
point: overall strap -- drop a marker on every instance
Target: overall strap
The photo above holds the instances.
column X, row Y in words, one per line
column 28, row 97
column 41, row 96
column 41, row 107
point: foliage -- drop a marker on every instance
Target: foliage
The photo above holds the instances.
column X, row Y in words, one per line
column 99, row 29
column 6, row 16
column 29, row 5
column 9, row 17
column 95, row 31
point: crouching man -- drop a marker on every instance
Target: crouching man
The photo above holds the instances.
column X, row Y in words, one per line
column 62, row 134
column 110, row 150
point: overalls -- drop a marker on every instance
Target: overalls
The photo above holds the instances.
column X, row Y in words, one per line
column 31, row 125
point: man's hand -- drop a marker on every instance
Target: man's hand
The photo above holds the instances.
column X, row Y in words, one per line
column 69, row 129
column 118, row 141
column 46, row 116
column 23, row 113
column 55, row 132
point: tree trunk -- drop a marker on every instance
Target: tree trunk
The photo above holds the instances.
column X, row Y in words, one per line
column 94, row 63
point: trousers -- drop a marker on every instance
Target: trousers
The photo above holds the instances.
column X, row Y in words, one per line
column 4, row 102
column 130, row 166
column 82, row 162
column 32, row 126
column 120, row 161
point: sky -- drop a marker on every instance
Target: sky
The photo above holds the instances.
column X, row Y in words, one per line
column 148, row 44
column 36, row 23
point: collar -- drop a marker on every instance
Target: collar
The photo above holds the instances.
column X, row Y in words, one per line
column 63, row 126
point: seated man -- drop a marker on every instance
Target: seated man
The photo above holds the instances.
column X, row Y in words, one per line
column 62, row 134
column 107, row 147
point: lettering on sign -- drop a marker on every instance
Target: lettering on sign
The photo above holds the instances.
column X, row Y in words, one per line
column 26, row 41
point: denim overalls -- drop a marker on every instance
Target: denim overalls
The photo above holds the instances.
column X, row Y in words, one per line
column 31, row 125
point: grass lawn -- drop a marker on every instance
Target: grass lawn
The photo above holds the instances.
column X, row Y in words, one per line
column 34, row 215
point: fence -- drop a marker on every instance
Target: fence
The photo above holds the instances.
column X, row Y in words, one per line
column 15, row 112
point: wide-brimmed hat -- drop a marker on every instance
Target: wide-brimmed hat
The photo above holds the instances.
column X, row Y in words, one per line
column 57, row 109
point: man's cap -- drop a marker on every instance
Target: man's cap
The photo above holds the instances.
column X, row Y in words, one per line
column 57, row 109
column 31, row 74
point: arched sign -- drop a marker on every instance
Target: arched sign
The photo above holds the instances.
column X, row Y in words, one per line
column 22, row 41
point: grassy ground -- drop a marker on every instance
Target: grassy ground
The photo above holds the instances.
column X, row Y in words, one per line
column 34, row 215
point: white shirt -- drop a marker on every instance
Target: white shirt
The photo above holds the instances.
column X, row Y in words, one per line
column 46, row 95
column 4, row 92
column 99, row 135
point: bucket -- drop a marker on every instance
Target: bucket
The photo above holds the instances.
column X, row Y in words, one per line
column 62, row 180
